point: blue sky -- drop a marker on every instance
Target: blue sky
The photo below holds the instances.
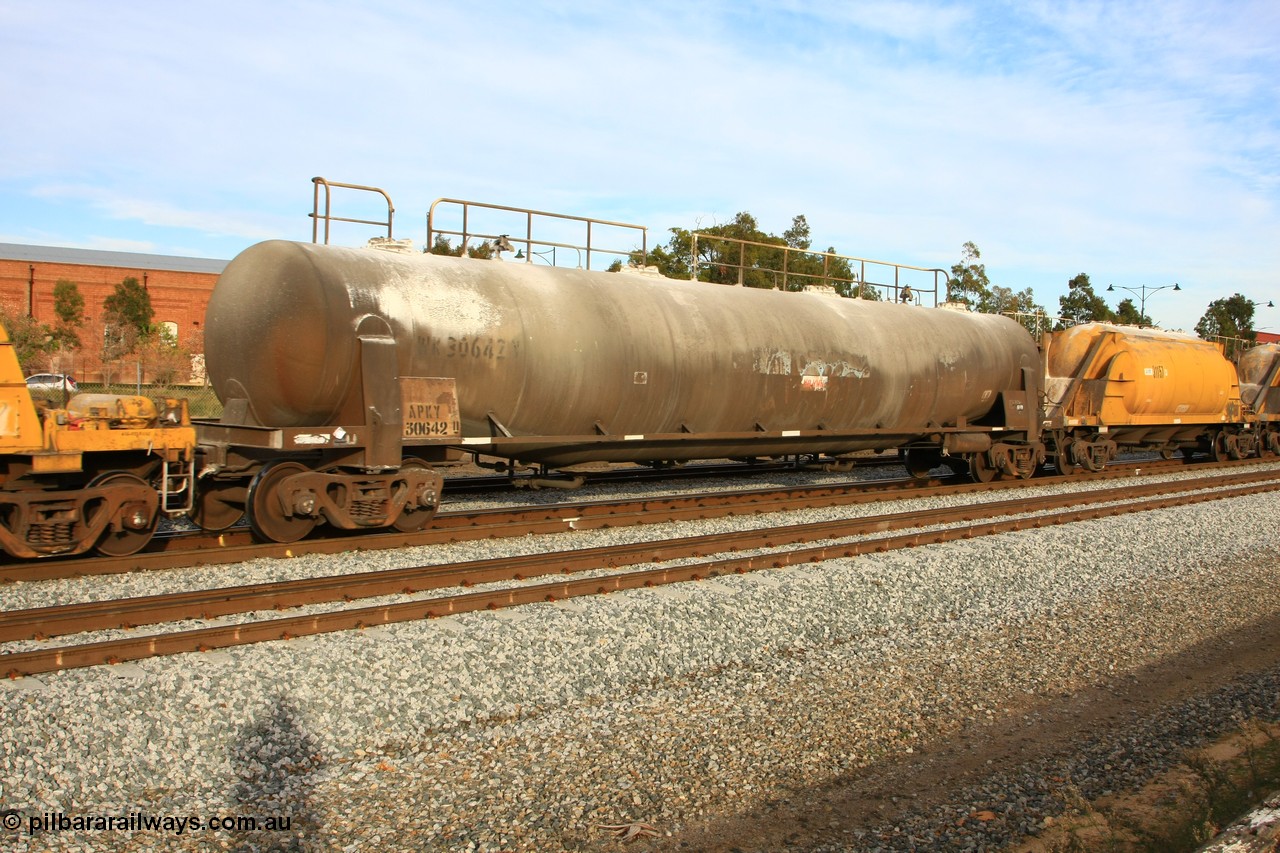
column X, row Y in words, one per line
column 1138, row 142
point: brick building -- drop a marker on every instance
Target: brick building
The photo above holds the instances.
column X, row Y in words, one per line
column 179, row 289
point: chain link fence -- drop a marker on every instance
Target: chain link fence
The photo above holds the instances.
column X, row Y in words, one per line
column 201, row 401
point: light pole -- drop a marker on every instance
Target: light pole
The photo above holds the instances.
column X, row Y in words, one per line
column 543, row 254
column 527, row 256
column 1270, row 304
column 1141, row 292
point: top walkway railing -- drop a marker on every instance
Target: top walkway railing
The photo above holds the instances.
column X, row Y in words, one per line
column 327, row 216
column 790, row 268
column 586, row 247
column 735, row 260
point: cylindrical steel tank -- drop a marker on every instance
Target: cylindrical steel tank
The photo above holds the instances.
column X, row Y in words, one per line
column 559, row 352
column 1140, row 375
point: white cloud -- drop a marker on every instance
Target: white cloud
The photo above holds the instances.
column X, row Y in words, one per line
column 156, row 213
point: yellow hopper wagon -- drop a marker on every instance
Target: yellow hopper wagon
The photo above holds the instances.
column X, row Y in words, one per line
column 1110, row 387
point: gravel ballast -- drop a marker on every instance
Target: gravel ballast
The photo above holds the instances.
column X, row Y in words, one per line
column 531, row 729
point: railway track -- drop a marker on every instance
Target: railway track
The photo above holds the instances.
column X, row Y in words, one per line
column 237, row 545
column 779, row 544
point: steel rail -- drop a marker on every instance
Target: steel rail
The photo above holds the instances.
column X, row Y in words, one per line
column 111, row 651
column 233, row 546
column 43, row 622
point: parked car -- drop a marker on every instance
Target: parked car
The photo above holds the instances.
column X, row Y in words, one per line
column 49, row 382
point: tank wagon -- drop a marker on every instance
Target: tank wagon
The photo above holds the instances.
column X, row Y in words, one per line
column 1110, row 387
column 96, row 474
column 345, row 372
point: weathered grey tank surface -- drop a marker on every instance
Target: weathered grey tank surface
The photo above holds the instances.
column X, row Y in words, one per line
column 557, row 352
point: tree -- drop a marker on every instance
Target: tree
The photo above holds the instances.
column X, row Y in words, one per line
column 30, row 340
column 861, row 290
column 797, row 236
column 739, row 252
column 839, row 271
column 968, row 282
column 806, row 268
column 442, row 247
column 1230, row 319
column 1005, row 300
column 671, row 261
column 737, row 259
column 970, row 285
column 128, row 310
column 126, row 323
column 1082, row 305
column 68, row 307
column 1128, row 314
column 482, row 249
column 166, row 362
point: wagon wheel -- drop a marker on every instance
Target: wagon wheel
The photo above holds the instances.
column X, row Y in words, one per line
column 218, row 505
column 1062, row 457
column 262, row 505
column 411, row 521
column 1087, row 455
column 123, row 540
column 1166, row 453
column 1220, row 447
column 980, row 469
